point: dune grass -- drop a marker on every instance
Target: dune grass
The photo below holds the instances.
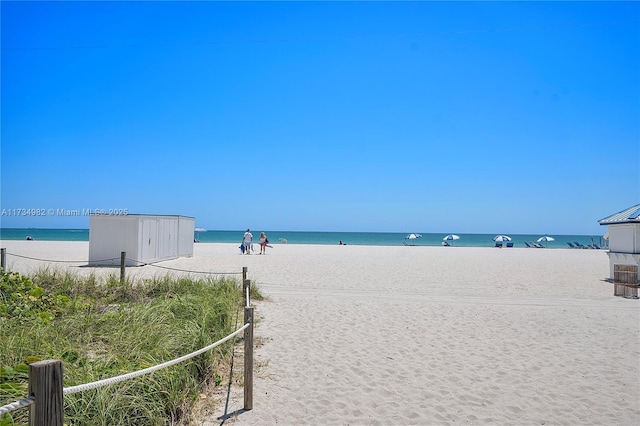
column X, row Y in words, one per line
column 100, row 328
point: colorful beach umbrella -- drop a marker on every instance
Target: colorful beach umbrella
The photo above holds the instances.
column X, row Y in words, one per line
column 501, row 238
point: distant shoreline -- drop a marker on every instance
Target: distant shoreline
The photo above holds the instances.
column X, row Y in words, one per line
column 322, row 238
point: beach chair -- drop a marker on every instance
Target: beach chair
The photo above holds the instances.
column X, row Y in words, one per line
column 509, row 244
column 578, row 245
column 536, row 245
column 571, row 245
column 499, row 244
column 527, row 244
column 446, row 244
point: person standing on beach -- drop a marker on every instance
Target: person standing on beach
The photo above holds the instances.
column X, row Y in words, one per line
column 263, row 243
column 247, row 239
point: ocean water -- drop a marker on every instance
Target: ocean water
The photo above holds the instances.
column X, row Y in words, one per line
column 325, row 238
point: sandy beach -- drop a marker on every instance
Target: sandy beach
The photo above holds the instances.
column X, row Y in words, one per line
column 369, row 335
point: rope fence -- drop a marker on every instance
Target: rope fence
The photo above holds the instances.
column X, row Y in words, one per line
column 127, row 376
column 24, row 402
column 183, row 270
column 54, row 260
column 122, row 258
column 45, row 377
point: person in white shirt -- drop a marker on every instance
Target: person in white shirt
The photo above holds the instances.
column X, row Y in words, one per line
column 247, row 240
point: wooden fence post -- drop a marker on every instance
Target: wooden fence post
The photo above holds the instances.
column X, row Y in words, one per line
column 45, row 385
column 246, row 284
column 123, row 255
column 244, row 273
column 3, row 259
column 248, row 359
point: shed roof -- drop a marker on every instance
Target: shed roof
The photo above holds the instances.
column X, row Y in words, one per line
column 140, row 215
column 630, row 215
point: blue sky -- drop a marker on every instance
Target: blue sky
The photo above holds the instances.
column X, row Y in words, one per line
column 473, row 117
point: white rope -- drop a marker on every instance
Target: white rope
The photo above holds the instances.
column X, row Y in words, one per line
column 104, row 382
column 25, row 402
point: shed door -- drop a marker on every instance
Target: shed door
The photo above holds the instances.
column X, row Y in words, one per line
column 149, row 240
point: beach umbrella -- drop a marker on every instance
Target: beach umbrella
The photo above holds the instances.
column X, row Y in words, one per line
column 198, row 231
column 411, row 237
column 501, row 238
column 545, row 239
column 451, row 237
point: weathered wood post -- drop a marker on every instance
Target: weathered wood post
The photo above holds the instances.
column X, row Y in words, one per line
column 123, row 255
column 45, row 385
column 3, row 259
column 244, row 275
column 625, row 280
column 248, row 351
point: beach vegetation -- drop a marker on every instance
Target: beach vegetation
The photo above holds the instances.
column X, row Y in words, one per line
column 101, row 328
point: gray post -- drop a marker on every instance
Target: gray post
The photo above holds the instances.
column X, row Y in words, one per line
column 244, row 273
column 3, row 258
column 123, row 255
column 248, row 359
column 45, row 385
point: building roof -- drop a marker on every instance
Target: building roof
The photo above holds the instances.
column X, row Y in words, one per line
column 630, row 215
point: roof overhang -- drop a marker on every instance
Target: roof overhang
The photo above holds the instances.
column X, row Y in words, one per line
column 630, row 215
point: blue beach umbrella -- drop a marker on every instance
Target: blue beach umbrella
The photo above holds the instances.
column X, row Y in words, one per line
column 451, row 237
column 501, row 238
column 412, row 236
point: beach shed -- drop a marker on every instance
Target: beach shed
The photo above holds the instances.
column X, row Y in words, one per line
column 624, row 241
column 144, row 238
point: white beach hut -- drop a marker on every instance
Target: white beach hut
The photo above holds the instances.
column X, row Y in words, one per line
column 624, row 240
column 144, row 238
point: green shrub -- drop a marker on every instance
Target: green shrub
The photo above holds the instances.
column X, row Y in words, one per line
column 21, row 298
column 101, row 329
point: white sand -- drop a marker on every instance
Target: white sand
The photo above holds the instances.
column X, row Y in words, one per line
column 366, row 335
